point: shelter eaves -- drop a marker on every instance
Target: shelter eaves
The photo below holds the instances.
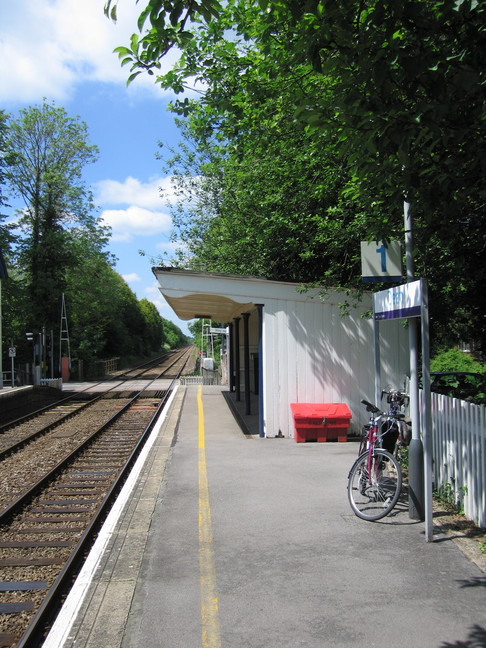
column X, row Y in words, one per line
column 210, row 295
column 194, row 294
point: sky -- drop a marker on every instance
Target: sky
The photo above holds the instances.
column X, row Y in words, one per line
column 62, row 51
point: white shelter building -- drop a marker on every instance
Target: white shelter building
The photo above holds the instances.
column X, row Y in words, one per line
column 290, row 345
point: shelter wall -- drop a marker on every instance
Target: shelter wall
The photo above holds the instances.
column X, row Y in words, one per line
column 312, row 353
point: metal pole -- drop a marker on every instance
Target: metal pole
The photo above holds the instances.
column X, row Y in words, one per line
column 376, row 344
column 246, row 355
column 427, row 414
column 202, row 349
column 237, row 360
column 52, row 354
column 415, row 451
column 12, row 364
column 231, row 357
column 1, row 347
column 261, row 417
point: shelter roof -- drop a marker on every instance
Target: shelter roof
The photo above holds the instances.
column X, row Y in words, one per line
column 222, row 297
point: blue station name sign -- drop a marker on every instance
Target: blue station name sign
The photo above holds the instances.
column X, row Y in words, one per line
column 398, row 302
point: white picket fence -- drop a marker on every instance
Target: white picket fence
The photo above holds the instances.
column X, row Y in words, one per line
column 459, row 453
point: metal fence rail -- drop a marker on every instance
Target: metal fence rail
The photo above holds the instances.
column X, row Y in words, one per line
column 459, row 453
column 201, row 380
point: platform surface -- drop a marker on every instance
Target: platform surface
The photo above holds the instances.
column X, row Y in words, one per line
column 286, row 562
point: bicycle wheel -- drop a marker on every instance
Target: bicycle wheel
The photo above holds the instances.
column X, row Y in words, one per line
column 374, row 491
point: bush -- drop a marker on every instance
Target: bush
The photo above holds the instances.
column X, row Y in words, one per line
column 454, row 360
column 465, row 377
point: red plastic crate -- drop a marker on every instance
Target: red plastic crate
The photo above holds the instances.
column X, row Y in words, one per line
column 321, row 421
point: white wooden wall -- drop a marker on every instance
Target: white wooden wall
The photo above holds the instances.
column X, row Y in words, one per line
column 313, row 354
column 310, row 352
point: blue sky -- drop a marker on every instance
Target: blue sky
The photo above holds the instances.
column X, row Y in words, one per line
column 62, row 50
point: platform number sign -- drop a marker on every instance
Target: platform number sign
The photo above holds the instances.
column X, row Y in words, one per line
column 12, row 352
column 381, row 261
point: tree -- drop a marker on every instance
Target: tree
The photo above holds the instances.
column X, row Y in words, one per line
column 174, row 336
column 3, row 157
column 5, row 236
column 407, row 77
column 60, row 248
column 48, row 152
column 154, row 326
column 390, row 91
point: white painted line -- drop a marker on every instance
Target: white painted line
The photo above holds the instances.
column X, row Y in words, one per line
column 62, row 626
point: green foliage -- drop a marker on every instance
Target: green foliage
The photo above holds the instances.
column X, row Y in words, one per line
column 3, row 161
column 169, row 27
column 470, row 386
column 48, row 151
column 454, row 360
column 58, row 247
column 174, row 337
column 5, row 158
column 317, row 119
column 269, row 203
column 453, row 497
column 154, row 336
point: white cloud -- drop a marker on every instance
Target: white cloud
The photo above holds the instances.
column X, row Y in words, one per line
column 169, row 246
column 133, row 192
column 142, row 215
column 126, row 223
column 132, row 277
column 47, row 47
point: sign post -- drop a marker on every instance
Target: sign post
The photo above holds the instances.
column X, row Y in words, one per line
column 12, row 352
column 410, row 301
column 3, row 275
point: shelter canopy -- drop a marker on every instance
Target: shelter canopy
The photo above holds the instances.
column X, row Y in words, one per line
column 216, row 296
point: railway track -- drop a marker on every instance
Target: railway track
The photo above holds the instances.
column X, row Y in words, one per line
column 55, row 493
column 16, row 434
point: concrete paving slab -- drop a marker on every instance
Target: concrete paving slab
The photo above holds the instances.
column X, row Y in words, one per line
column 294, row 568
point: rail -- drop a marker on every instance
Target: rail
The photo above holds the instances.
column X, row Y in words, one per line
column 47, row 610
column 32, row 635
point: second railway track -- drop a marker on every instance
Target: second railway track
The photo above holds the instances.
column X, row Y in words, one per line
column 54, row 494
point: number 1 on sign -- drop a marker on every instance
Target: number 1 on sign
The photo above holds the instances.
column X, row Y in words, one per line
column 382, row 251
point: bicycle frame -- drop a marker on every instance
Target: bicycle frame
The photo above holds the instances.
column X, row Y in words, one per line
column 373, row 438
column 394, row 417
column 375, row 480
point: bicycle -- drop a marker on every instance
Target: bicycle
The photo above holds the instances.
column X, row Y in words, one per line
column 375, row 478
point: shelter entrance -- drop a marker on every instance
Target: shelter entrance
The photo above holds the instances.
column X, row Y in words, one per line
column 246, row 370
column 220, row 298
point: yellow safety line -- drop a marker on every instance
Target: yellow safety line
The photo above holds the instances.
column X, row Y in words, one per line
column 209, row 601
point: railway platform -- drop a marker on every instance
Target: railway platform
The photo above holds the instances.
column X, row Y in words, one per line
column 226, row 540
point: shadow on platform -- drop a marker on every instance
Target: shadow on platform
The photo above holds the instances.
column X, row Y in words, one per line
column 247, row 422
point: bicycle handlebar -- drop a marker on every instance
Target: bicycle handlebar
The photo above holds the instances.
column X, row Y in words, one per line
column 394, row 392
column 372, row 408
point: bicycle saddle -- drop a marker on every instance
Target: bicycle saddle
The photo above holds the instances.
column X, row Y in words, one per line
column 370, row 407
